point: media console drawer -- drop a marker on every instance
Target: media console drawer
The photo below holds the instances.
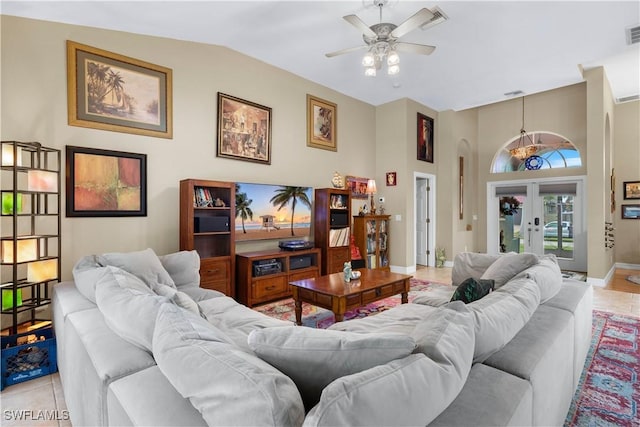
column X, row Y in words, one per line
column 267, row 287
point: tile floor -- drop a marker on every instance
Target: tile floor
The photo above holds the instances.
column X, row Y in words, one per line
column 40, row 402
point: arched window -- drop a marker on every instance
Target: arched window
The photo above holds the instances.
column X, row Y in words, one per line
column 549, row 151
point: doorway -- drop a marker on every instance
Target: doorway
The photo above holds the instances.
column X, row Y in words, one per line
column 424, row 215
column 544, row 217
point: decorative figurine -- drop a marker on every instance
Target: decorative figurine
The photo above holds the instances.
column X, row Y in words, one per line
column 337, row 181
column 347, row 271
column 219, row 203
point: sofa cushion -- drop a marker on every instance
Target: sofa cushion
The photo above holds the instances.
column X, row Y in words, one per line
column 313, row 358
column 547, row 275
column 409, row 391
column 177, row 297
column 183, row 267
column 86, row 273
column 129, row 306
column 401, row 319
column 471, row 290
column 500, row 315
column 143, row 264
column 507, row 266
column 470, row 264
column 227, row 385
column 435, row 296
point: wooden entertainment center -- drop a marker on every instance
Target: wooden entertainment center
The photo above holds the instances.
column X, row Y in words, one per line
column 264, row 276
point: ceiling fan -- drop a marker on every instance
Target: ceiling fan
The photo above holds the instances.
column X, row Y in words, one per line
column 381, row 40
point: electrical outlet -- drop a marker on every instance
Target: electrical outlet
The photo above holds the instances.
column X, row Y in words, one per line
column 381, row 199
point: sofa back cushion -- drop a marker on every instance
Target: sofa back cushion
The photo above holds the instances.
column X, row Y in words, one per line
column 183, row 267
column 86, row 274
column 507, row 266
column 408, row 391
column 547, row 275
column 227, row 385
column 313, row 358
column 144, row 264
column 470, row 264
column 500, row 315
column 128, row 305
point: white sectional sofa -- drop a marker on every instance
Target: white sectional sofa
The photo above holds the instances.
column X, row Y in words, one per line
column 139, row 343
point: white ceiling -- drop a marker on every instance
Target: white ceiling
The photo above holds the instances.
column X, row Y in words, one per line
column 484, row 49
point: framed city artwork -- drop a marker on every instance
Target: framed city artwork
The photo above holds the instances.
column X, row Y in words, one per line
column 631, row 190
column 357, row 186
column 105, row 183
column 322, row 127
column 113, row 92
column 425, row 138
column 244, row 130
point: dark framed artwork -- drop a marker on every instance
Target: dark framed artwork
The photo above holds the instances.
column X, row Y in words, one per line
column 631, row 190
column 358, row 186
column 244, row 130
column 322, row 128
column 113, row 92
column 105, row 183
column 630, row 211
column 425, row 138
column 392, row 179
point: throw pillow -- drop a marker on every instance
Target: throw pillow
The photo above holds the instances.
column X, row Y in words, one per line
column 177, row 297
column 394, row 394
column 547, row 276
column 183, row 267
column 508, row 266
column 471, row 290
column 227, row 385
column 470, row 264
column 86, row 274
column 129, row 307
column 143, row 264
column 313, row 358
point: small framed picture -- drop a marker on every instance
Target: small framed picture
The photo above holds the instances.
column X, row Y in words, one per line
column 322, row 117
column 391, row 179
column 631, row 190
column 358, row 186
column 630, row 211
column 425, row 138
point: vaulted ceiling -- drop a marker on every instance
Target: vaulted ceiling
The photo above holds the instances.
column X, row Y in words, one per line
column 484, row 50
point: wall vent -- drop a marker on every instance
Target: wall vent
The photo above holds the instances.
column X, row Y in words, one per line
column 633, row 34
column 628, row 98
column 438, row 18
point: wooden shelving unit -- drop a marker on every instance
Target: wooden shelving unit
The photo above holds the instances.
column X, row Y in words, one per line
column 207, row 214
column 371, row 234
column 265, row 275
column 332, row 228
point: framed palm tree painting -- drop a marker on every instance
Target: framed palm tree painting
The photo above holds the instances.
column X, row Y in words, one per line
column 113, row 92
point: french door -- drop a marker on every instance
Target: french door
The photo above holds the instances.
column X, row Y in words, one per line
column 544, row 217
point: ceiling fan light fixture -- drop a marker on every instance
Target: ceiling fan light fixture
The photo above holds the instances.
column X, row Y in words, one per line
column 392, row 70
column 393, row 58
column 370, row 72
column 368, row 60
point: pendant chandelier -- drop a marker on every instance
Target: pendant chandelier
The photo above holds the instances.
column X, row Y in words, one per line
column 525, row 146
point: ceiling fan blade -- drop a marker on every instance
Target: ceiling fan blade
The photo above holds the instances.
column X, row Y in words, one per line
column 343, row 51
column 360, row 25
column 420, row 49
column 419, row 18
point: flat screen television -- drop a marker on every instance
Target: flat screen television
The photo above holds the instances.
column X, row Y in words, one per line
column 267, row 211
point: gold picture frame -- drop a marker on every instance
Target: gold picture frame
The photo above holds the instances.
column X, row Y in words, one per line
column 117, row 93
column 322, row 124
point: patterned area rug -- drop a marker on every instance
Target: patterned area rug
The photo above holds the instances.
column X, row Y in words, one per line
column 316, row 317
column 609, row 389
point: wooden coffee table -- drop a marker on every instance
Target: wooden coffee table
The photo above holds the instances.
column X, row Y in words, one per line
column 333, row 293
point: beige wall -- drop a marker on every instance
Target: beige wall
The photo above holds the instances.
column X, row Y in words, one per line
column 627, row 167
column 34, row 107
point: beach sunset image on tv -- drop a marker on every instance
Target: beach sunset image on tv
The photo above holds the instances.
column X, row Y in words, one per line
column 265, row 211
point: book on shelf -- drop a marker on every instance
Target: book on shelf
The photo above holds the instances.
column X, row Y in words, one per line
column 339, row 237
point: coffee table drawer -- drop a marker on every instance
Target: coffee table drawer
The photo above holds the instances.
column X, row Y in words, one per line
column 372, row 295
column 310, row 274
column 271, row 286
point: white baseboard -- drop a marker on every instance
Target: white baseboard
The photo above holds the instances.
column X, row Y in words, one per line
column 626, row 266
column 601, row 283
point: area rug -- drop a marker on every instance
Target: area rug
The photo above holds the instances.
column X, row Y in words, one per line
column 316, row 317
column 609, row 390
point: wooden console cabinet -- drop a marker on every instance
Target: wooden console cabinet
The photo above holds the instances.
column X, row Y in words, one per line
column 264, row 276
column 207, row 214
